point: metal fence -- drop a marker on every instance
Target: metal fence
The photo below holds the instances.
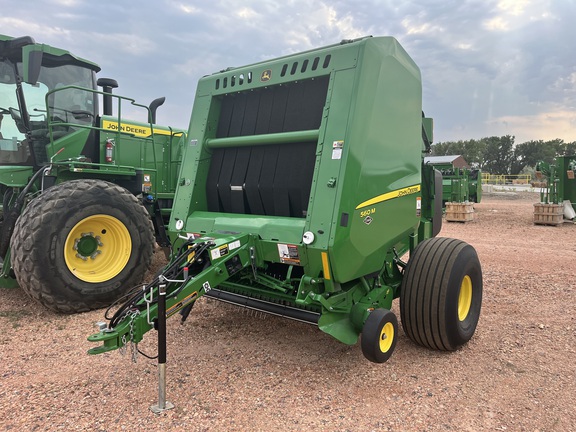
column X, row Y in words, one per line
column 506, row 179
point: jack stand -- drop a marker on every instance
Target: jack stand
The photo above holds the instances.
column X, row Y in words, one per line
column 162, row 405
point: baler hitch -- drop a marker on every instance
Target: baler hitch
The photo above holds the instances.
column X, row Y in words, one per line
column 189, row 276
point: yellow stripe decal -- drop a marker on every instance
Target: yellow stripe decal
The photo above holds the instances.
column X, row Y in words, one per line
column 325, row 265
column 390, row 195
column 137, row 130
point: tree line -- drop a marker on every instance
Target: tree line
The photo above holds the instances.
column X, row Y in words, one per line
column 499, row 155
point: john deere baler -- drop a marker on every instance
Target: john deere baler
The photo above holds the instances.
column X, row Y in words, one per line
column 302, row 189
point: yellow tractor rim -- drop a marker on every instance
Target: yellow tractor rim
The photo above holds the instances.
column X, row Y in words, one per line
column 386, row 337
column 465, row 298
column 97, row 248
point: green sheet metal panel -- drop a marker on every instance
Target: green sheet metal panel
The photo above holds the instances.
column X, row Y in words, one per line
column 379, row 184
column 365, row 187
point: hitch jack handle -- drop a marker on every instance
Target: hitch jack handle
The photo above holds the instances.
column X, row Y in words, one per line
column 163, row 404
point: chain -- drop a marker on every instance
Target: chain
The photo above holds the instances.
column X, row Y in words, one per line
column 133, row 345
column 131, row 315
column 122, row 349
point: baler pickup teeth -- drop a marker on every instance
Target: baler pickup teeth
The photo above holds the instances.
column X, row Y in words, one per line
column 265, row 306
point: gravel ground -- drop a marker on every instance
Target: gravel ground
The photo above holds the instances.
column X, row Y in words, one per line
column 230, row 370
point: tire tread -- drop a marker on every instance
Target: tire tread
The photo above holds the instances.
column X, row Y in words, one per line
column 29, row 262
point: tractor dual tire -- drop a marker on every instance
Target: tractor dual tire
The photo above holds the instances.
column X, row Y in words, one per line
column 81, row 245
column 441, row 294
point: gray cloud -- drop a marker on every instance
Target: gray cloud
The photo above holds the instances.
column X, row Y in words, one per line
column 489, row 67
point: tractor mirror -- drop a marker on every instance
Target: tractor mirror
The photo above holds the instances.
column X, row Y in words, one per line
column 32, row 62
column 428, row 128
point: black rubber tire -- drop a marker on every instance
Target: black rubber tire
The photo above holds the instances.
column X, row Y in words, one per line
column 8, row 219
column 374, row 332
column 40, row 234
column 1, row 230
column 430, row 290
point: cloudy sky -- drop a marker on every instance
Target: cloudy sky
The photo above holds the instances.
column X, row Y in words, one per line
column 489, row 67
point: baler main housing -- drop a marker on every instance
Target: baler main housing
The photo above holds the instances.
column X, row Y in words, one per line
column 318, row 158
column 302, row 187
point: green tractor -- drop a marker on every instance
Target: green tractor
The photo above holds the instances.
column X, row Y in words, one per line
column 302, row 192
column 84, row 196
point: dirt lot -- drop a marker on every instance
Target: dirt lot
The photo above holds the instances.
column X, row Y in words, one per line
column 229, row 370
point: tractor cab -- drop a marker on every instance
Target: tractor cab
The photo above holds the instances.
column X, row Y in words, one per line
column 30, row 74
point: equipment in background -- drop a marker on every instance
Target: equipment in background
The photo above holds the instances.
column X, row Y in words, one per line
column 558, row 196
column 460, row 183
column 84, row 195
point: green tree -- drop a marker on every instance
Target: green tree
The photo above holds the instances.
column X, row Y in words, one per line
column 498, row 154
column 565, row 149
column 471, row 150
column 528, row 154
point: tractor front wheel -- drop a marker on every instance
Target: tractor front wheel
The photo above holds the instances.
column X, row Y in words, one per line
column 81, row 245
column 379, row 335
column 441, row 294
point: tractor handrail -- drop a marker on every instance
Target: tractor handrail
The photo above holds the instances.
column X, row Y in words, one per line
column 119, row 132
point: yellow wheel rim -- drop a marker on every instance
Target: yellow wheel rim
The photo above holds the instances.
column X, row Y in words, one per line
column 386, row 337
column 465, row 298
column 97, row 248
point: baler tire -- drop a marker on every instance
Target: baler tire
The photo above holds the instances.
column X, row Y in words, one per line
column 81, row 245
column 441, row 294
column 379, row 333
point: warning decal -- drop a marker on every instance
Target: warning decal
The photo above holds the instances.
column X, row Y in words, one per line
column 288, row 254
column 219, row 252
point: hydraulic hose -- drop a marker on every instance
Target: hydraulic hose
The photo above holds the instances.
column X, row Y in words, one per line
column 171, row 272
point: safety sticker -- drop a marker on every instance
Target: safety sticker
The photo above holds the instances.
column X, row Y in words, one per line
column 219, row 251
column 288, row 253
column 337, row 149
column 234, row 245
column 418, row 206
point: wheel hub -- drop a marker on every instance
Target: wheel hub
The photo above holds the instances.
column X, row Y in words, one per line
column 386, row 337
column 87, row 246
column 97, row 248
